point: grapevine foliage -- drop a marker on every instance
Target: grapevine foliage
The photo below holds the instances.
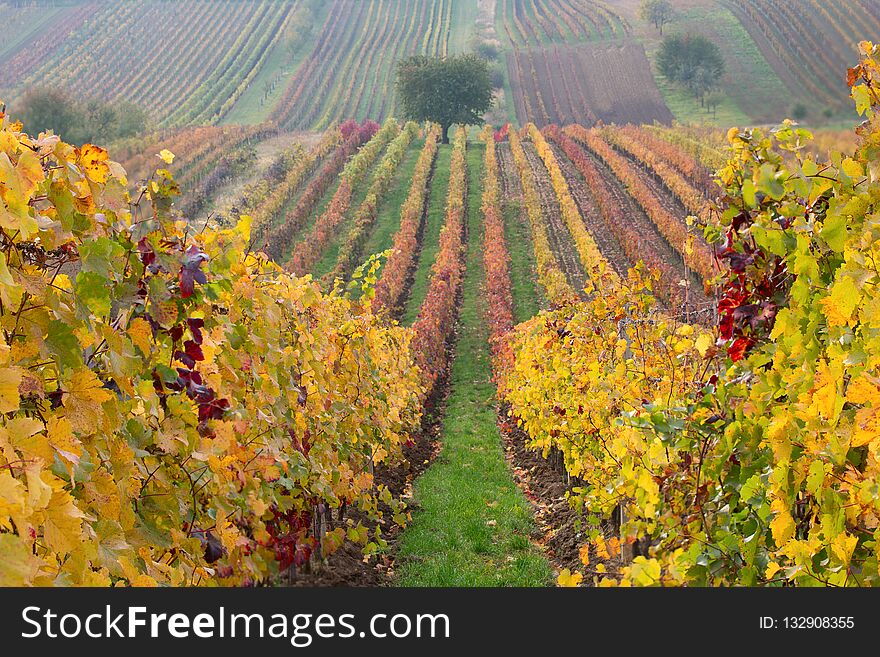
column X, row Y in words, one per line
column 175, row 408
column 749, row 455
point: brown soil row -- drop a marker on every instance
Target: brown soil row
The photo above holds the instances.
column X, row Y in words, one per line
column 511, row 185
column 698, row 302
column 557, row 232
column 605, row 240
column 613, row 77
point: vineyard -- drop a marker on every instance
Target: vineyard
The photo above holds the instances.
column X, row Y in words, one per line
column 588, row 347
column 305, row 65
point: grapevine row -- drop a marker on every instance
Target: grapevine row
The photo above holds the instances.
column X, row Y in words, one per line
column 190, row 435
column 405, row 244
column 691, row 198
column 265, row 207
column 696, row 254
column 435, row 322
column 683, row 162
column 309, row 249
column 592, row 259
column 702, row 147
column 496, row 260
column 365, row 216
column 635, row 246
column 279, row 238
column 550, row 276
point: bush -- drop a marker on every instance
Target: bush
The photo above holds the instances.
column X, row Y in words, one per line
column 691, row 61
column 79, row 121
column 486, row 50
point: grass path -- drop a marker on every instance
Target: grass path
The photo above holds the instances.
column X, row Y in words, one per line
column 473, row 524
column 431, row 238
column 523, row 283
column 388, row 213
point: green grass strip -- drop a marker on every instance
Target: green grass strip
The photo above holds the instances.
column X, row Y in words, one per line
column 431, row 237
column 388, row 215
column 523, row 280
column 331, row 253
column 473, row 524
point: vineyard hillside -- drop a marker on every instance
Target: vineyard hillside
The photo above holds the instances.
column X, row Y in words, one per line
column 304, row 64
column 619, row 329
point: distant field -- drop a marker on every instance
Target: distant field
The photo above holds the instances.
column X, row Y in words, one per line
column 607, row 81
column 308, row 64
column 811, row 43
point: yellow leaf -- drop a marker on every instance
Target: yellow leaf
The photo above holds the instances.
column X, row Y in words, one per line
column 144, row 581
column 24, row 434
column 10, row 379
column 841, row 302
column 772, row 569
column 61, row 437
column 63, row 527
column 82, row 399
column 778, row 435
column 39, row 492
column 703, row 343
column 141, row 334
column 825, row 392
column 166, row 156
column 257, row 505
column 843, row 547
column 863, row 390
column 568, row 579
column 866, row 428
column 18, row 565
column 94, row 162
column 585, row 555
column 12, row 500
column 782, row 526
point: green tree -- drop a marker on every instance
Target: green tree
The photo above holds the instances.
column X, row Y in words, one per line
column 45, row 109
column 658, row 12
column 451, row 90
column 94, row 120
column 691, row 61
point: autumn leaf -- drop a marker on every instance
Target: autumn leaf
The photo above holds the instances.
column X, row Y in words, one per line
column 782, row 526
column 83, row 395
column 584, row 554
column 94, row 162
column 568, row 579
column 841, row 302
column 141, row 334
column 10, row 380
column 703, row 343
column 166, row 156
column 18, row 565
column 62, row 529
column 61, row 438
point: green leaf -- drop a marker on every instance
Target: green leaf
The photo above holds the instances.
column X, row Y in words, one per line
column 93, row 290
column 100, row 255
column 772, row 240
column 834, row 232
column 63, row 343
column 862, row 97
column 816, row 477
column 769, row 181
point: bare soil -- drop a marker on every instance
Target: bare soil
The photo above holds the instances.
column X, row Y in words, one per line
column 613, row 77
column 557, row 232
